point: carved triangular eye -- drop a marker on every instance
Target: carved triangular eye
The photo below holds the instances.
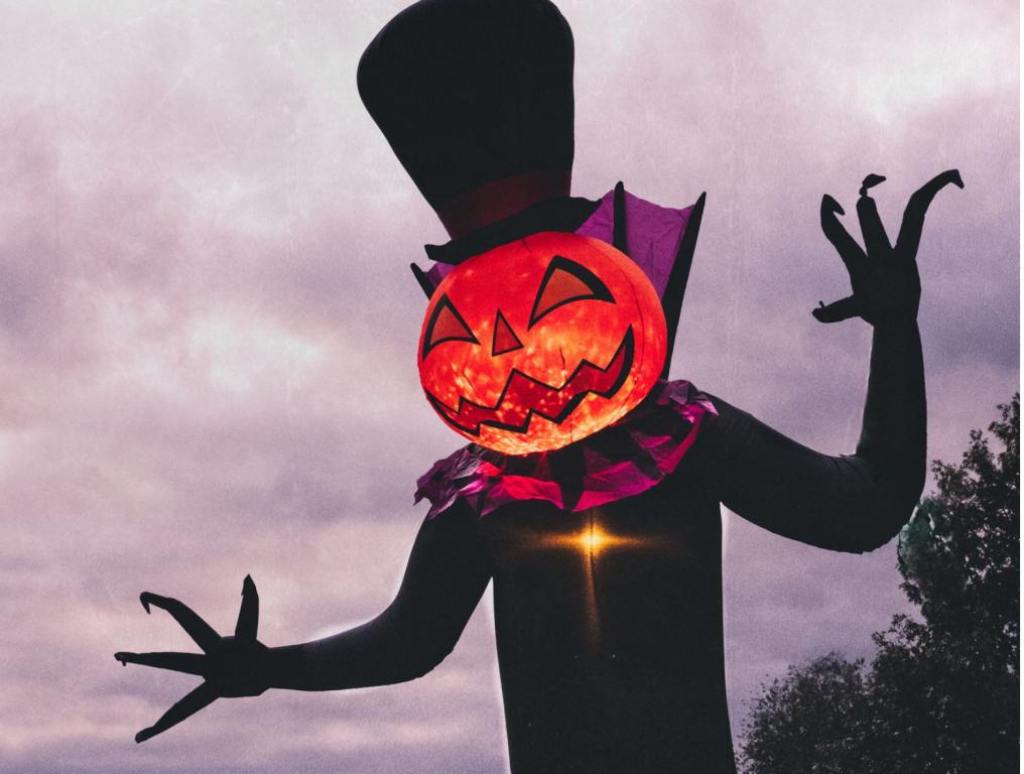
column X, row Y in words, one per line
column 446, row 324
column 505, row 339
column 566, row 281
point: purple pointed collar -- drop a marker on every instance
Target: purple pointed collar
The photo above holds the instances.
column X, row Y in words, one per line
column 653, row 234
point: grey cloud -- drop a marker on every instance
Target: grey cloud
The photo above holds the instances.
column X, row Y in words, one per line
column 207, row 334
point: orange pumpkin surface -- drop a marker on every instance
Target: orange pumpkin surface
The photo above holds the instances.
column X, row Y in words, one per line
column 538, row 343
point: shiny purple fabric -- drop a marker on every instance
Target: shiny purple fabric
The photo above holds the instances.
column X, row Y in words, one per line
column 653, row 234
column 623, row 460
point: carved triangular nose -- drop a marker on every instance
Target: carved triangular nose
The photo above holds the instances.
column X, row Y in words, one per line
column 505, row 339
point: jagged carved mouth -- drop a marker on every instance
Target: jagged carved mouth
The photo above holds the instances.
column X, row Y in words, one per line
column 523, row 396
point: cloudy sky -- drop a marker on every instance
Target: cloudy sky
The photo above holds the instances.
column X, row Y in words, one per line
column 207, row 333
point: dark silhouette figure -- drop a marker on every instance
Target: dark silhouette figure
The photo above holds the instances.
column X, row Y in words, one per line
column 609, row 620
column 611, row 648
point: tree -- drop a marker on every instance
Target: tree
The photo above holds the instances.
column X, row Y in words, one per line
column 810, row 720
column 942, row 693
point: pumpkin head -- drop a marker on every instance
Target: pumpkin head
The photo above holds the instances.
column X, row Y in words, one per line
column 540, row 342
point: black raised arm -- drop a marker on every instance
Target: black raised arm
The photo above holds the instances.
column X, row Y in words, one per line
column 856, row 502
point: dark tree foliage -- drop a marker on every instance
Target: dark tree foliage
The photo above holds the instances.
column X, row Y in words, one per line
column 810, row 720
column 942, row 692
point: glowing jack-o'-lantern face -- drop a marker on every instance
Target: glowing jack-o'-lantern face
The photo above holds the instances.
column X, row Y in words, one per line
column 541, row 342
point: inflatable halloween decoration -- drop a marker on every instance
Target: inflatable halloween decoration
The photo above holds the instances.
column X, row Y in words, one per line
column 541, row 342
column 604, row 552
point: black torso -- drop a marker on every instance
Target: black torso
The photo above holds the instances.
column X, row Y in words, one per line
column 609, row 621
column 609, row 628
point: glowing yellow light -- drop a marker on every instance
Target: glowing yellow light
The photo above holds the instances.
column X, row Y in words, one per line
column 592, row 540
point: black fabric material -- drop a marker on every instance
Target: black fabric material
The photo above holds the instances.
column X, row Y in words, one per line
column 614, row 661
column 471, row 91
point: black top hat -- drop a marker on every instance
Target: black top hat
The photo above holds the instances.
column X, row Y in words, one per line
column 475, row 95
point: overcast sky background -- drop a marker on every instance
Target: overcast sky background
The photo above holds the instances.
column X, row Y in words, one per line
column 208, row 331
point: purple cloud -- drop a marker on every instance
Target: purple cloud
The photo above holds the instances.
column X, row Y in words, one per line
column 208, row 332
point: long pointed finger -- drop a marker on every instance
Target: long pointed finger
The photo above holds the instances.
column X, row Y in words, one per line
column 189, row 663
column 836, row 233
column 913, row 217
column 876, row 242
column 837, row 311
column 196, row 628
column 187, row 706
column 249, row 612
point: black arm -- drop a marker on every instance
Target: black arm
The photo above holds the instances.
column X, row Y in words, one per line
column 444, row 580
column 446, row 575
column 858, row 502
column 845, row 503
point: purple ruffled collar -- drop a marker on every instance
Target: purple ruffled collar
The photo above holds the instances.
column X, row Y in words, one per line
column 623, row 460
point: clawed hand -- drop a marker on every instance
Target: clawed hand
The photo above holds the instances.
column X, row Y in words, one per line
column 884, row 277
column 230, row 666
